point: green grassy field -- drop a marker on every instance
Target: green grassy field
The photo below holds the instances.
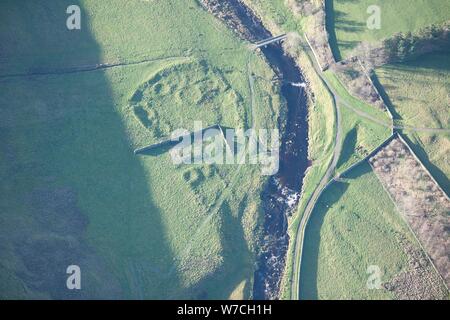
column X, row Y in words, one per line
column 418, row 92
column 355, row 224
column 347, row 20
column 72, row 190
column 350, row 230
column 360, row 135
column 328, row 274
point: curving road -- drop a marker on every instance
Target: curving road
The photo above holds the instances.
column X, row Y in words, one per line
column 338, row 101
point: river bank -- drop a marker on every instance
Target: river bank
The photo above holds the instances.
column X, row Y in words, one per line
column 281, row 195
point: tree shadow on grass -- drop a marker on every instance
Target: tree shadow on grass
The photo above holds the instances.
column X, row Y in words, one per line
column 440, row 176
column 311, row 243
column 80, row 195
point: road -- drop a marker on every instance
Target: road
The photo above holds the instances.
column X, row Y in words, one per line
column 328, row 177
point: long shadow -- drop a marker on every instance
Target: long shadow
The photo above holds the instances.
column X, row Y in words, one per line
column 385, row 97
column 330, row 25
column 310, row 255
column 74, row 193
column 437, row 173
column 359, row 170
column 234, row 254
column 439, row 62
column 349, row 146
column 158, row 150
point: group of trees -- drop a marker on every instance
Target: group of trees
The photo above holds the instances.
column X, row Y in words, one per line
column 404, row 46
column 407, row 46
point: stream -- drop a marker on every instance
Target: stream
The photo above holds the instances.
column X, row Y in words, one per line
column 281, row 194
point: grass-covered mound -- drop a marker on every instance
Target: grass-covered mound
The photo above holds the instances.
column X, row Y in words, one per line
column 73, row 192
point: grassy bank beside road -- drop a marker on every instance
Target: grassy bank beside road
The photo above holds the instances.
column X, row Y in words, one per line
column 350, row 230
